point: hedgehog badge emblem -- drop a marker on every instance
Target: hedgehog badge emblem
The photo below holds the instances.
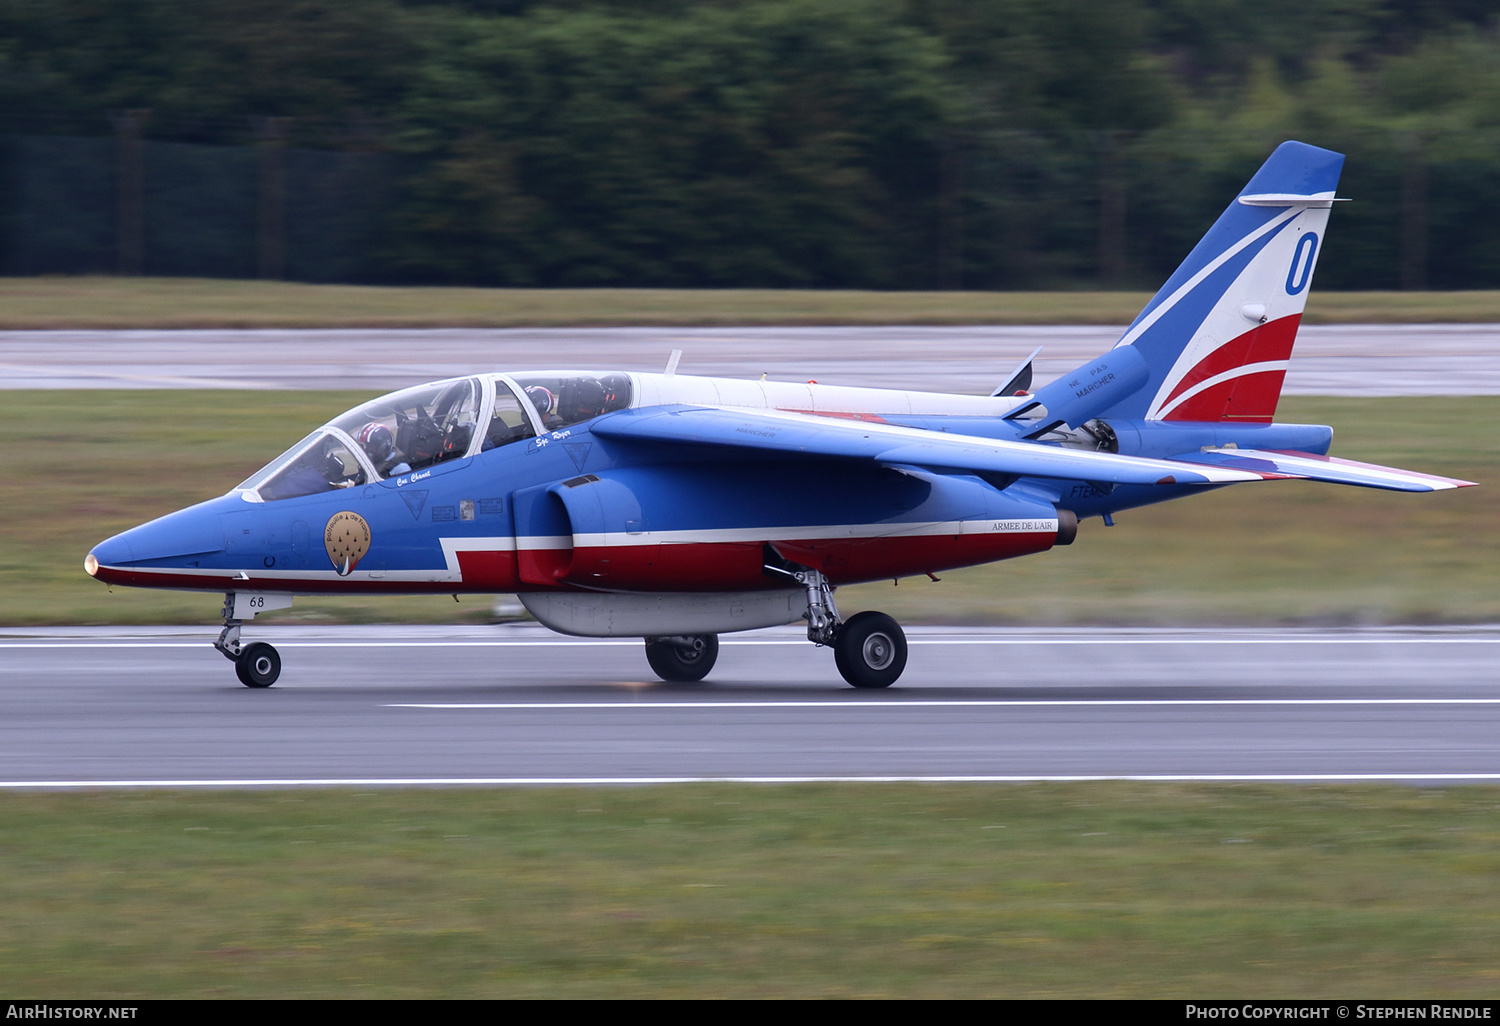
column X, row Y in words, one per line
column 347, row 539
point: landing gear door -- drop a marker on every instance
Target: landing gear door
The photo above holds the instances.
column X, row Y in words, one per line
column 544, row 535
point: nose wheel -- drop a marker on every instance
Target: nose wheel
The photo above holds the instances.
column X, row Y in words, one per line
column 258, row 665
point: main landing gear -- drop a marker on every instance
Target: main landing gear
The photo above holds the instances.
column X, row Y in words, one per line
column 683, row 659
column 869, row 649
column 257, row 665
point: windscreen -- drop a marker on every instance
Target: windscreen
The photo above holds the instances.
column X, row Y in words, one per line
column 321, row 462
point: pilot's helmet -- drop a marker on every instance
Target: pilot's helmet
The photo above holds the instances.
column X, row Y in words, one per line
column 543, row 399
column 582, row 398
column 377, row 440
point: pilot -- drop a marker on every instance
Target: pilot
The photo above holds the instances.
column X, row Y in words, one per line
column 380, row 444
column 378, row 441
column 546, row 405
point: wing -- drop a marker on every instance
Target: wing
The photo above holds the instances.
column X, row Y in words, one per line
column 796, row 433
column 1323, row 468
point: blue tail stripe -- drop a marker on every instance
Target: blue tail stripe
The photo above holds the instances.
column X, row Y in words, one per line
column 1161, row 343
column 1294, row 168
column 1233, row 225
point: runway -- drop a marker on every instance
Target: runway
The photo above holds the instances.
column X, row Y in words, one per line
column 401, row 706
column 398, row 706
column 1372, row 360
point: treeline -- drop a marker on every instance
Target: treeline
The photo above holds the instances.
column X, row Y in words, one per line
column 829, row 143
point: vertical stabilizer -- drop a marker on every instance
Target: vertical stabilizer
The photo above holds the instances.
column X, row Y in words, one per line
column 1217, row 337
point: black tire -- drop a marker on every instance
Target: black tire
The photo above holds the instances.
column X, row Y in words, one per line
column 258, row 665
column 683, row 664
column 870, row 650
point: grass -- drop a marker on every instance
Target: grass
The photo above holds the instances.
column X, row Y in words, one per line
column 1086, row 890
column 110, row 302
column 87, row 464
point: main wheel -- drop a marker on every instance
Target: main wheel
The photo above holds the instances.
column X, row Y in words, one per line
column 870, row 650
column 683, row 663
column 258, row 665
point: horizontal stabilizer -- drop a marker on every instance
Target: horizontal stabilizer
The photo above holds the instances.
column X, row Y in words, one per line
column 1322, row 468
column 795, row 433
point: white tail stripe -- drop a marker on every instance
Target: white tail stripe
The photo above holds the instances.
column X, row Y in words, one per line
column 1275, row 224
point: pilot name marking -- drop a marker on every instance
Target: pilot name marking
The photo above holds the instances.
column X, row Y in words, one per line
column 409, row 478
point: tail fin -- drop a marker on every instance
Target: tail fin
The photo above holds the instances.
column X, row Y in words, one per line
column 1217, row 338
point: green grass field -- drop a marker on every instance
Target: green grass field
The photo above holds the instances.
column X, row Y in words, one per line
column 109, row 302
column 87, row 464
column 1087, row 890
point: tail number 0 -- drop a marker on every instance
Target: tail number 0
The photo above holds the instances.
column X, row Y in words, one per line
column 1302, row 263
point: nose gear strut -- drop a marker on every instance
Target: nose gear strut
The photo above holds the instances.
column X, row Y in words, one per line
column 256, row 665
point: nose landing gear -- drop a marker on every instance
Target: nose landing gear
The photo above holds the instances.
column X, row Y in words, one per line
column 256, row 665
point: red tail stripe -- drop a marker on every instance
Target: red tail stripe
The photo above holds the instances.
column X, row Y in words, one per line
column 1260, row 344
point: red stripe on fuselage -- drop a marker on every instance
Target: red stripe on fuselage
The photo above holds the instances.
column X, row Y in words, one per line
column 706, row 567
column 228, row 581
column 869, row 418
column 737, row 566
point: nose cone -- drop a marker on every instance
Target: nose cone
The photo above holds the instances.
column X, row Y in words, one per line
column 176, row 539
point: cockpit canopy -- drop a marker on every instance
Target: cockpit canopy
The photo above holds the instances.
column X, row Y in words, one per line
column 428, row 424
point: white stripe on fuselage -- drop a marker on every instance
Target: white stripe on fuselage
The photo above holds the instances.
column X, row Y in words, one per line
column 747, row 535
column 274, row 580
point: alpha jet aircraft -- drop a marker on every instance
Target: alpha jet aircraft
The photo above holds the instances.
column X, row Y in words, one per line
column 675, row 508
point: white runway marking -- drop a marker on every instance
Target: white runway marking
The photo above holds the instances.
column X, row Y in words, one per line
column 756, row 642
column 903, row 703
column 1164, row 778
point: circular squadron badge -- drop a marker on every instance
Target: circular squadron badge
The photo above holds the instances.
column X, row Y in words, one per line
column 347, row 539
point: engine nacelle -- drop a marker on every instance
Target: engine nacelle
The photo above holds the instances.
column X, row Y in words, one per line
column 705, row 527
